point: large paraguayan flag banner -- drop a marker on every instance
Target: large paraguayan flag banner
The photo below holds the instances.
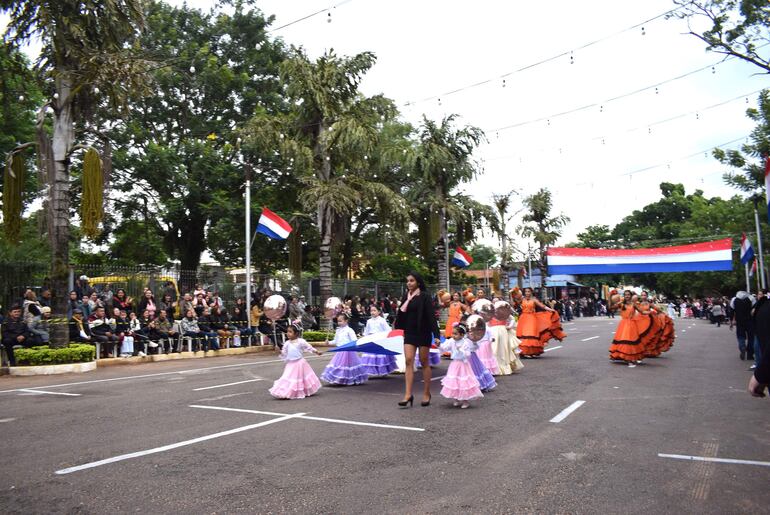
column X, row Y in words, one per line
column 273, row 226
column 747, row 251
column 389, row 343
column 698, row 257
column 461, row 258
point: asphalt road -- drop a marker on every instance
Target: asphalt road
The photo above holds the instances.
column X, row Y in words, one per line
column 502, row 455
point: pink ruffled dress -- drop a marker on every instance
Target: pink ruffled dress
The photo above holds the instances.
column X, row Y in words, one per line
column 298, row 379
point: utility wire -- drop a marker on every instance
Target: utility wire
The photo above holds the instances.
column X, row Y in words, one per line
column 308, row 16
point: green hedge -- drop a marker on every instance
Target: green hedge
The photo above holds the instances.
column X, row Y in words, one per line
column 317, row 336
column 44, row 355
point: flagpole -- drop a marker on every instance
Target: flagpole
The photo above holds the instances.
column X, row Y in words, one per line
column 247, row 172
column 757, row 282
column 748, row 283
column 759, row 245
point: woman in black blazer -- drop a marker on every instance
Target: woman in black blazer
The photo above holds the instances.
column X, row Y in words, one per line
column 417, row 319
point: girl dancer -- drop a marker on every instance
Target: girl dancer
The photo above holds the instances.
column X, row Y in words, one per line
column 298, row 379
column 483, row 375
column 345, row 368
column 535, row 329
column 460, row 383
column 627, row 344
column 377, row 364
column 505, row 345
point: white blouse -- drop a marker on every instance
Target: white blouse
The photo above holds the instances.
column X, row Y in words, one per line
column 376, row 325
column 344, row 335
column 294, row 349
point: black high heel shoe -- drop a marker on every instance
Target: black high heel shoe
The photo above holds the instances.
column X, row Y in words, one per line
column 409, row 401
column 426, row 403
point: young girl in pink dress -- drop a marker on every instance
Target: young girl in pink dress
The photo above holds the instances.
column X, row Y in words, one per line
column 298, row 380
column 460, row 382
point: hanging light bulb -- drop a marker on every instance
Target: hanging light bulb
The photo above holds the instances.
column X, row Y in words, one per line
column 192, row 69
column 281, row 136
column 329, row 17
column 56, row 96
column 21, row 98
column 96, row 91
column 503, row 82
column 644, row 33
column 571, row 58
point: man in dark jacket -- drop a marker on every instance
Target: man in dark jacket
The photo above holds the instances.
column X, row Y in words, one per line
column 15, row 332
column 741, row 318
column 761, row 378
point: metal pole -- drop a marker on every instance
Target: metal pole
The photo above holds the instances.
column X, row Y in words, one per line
column 759, row 246
column 748, row 285
column 247, row 171
column 529, row 264
column 446, row 250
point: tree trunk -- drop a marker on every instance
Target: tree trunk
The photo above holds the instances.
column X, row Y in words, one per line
column 543, row 272
column 441, row 250
column 191, row 244
column 58, row 213
column 325, row 222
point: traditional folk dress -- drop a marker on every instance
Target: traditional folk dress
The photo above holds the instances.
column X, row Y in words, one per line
column 377, row 364
column 455, row 315
column 298, row 379
column 460, row 382
column 534, row 329
column 486, row 354
column 504, row 346
column 346, row 367
column 627, row 344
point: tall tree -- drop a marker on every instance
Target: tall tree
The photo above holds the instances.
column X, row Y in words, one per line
column 325, row 139
column 440, row 162
column 738, row 28
column 542, row 226
column 86, row 58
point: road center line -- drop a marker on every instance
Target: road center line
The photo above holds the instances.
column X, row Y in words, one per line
column 303, row 416
column 41, row 392
column 553, row 348
column 227, row 384
column 589, row 338
column 172, row 446
column 715, row 460
column 566, row 411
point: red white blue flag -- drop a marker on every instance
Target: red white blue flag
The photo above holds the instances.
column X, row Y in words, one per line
column 747, row 251
column 273, row 226
column 461, row 258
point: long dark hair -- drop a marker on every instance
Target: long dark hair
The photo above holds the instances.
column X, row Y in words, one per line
column 419, row 279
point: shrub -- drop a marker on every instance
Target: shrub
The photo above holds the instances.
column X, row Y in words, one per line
column 317, row 336
column 44, row 355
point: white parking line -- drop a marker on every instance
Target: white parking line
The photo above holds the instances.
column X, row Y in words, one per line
column 227, row 384
column 303, row 416
column 567, row 411
column 591, row 338
column 553, row 348
column 41, row 392
column 174, row 445
column 6, row 420
column 715, row 460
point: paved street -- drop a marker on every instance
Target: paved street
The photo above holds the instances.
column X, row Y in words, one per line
column 204, row 436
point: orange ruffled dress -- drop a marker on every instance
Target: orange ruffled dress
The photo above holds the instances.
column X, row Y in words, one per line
column 534, row 329
column 455, row 315
column 627, row 344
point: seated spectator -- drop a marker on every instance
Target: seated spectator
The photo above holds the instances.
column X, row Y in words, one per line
column 30, row 308
column 15, row 332
column 135, row 330
column 148, row 303
column 220, row 322
column 39, row 327
column 186, row 304
column 80, row 331
column 45, row 298
column 106, row 296
column 122, row 301
column 200, row 304
column 102, row 331
column 206, row 324
column 168, row 305
column 239, row 321
column 73, row 303
column 169, row 291
column 165, row 327
column 189, row 328
column 216, row 301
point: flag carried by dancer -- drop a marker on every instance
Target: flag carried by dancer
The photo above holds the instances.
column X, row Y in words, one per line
column 273, row 226
column 461, row 258
column 747, row 252
column 385, row 342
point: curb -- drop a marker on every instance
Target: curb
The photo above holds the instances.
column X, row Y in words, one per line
column 44, row 370
column 138, row 360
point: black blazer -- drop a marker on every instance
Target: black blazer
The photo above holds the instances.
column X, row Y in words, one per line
column 426, row 324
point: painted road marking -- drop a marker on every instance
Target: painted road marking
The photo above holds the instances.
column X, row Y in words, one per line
column 228, row 384
column 714, row 460
column 42, row 392
column 6, row 420
column 159, row 374
column 172, row 446
column 590, row 338
column 567, row 411
column 304, row 416
column 553, row 348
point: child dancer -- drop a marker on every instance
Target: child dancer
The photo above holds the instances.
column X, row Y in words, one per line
column 460, row 383
column 377, row 364
column 483, row 375
column 298, row 380
column 345, row 368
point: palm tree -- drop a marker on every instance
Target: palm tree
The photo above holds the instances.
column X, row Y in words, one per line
column 440, row 162
column 325, row 140
column 542, row 227
column 86, row 58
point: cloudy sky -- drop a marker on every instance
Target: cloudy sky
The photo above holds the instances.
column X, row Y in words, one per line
column 601, row 161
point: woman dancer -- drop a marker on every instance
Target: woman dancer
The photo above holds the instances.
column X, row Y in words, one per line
column 456, row 311
column 345, row 368
column 627, row 344
column 377, row 364
column 460, row 382
column 505, row 345
column 417, row 319
column 298, row 379
column 533, row 328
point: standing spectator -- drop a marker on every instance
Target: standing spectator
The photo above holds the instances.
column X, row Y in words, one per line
column 761, row 300
column 717, row 311
column 15, row 332
column 122, row 301
column 148, row 304
column 170, row 291
column 45, row 298
column 216, row 301
column 186, row 304
column 73, row 303
column 200, row 304
column 106, row 296
column 102, row 331
column 167, row 305
column 761, row 378
column 744, row 328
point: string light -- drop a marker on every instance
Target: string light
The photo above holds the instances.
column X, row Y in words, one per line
column 327, row 10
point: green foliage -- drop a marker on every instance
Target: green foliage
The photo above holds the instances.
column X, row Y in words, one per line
column 540, row 225
column 482, row 255
column 317, row 336
column 394, row 267
column 43, row 355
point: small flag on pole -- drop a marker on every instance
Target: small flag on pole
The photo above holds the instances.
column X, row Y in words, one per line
column 747, row 252
column 273, row 226
column 461, row 258
column 767, row 184
column 753, row 268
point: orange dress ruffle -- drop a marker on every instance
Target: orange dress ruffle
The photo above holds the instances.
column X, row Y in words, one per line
column 627, row 344
column 455, row 315
column 668, row 333
column 534, row 329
